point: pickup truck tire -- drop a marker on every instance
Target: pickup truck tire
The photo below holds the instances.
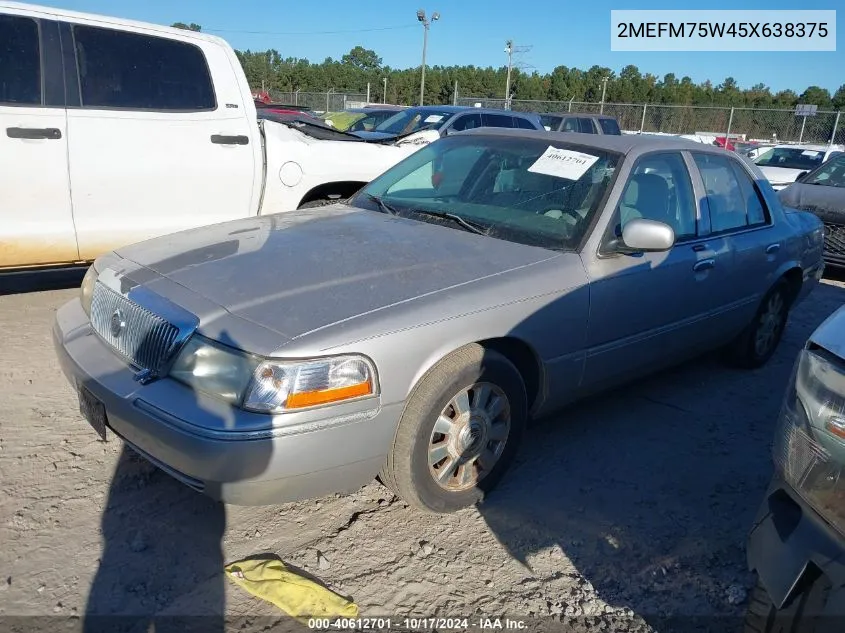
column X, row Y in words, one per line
column 459, row 431
column 759, row 341
column 800, row 614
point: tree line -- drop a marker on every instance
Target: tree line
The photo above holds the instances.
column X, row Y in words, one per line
column 360, row 66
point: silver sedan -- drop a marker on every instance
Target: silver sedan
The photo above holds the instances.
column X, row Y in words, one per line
column 410, row 332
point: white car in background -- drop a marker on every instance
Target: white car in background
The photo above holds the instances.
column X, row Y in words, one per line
column 782, row 164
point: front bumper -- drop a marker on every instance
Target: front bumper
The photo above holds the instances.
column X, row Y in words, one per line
column 196, row 439
column 788, row 537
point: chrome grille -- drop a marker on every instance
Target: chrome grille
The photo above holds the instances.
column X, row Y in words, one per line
column 834, row 239
column 142, row 337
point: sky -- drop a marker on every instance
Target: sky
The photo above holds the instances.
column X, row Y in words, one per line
column 573, row 33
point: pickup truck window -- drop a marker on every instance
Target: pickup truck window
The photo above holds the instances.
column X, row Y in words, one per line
column 20, row 61
column 119, row 69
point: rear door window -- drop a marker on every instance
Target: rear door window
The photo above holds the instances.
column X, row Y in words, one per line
column 496, row 120
column 523, row 123
column 734, row 201
column 610, row 126
column 466, row 122
column 119, row 69
column 20, row 61
column 587, row 126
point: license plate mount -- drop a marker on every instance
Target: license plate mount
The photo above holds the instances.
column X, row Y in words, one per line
column 94, row 413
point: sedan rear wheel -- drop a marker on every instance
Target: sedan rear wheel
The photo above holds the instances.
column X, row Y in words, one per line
column 759, row 341
column 459, row 431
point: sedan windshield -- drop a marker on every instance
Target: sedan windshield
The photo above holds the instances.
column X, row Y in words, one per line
column 790, row 158
column 412, row 120
column 527, row 190
column 831, row 174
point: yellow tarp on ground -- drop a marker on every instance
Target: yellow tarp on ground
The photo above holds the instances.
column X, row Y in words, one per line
column 300, row 597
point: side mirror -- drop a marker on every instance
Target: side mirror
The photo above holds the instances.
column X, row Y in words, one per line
column 642, row 235
column 801, row 176
column 446, row 132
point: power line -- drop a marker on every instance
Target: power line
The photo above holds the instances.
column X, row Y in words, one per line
column 384, row 28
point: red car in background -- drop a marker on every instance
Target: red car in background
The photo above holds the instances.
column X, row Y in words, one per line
column 264, row 103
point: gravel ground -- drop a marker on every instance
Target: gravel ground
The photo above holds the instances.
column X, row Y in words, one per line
column 622, row 511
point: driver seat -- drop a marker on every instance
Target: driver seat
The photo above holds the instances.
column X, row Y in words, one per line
column 646, row 197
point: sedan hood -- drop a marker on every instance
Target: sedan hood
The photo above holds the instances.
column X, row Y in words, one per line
column 300, row 271
column 780, row 175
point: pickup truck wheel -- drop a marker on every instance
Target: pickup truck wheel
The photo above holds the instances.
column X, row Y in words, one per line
column 801, row 613
column 459, row 431
column 759, row 341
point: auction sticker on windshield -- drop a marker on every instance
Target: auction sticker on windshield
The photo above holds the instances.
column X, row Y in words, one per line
column 563, row 163
column 811, row 153
column 433, row 118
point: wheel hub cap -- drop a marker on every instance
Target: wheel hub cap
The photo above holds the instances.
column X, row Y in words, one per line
column 469, row 436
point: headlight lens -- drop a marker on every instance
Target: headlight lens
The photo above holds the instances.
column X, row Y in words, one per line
column 271, row 386
column 86, row 289
column 810, row 447
column 284, row 386
column 213, row 368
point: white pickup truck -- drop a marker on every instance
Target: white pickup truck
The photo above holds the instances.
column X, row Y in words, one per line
column 112, row 132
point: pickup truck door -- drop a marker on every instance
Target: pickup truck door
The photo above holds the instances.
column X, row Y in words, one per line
column 161, row 137
column 649, row 310
column 36, row 222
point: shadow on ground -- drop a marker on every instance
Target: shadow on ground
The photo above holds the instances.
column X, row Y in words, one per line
column 650, row 492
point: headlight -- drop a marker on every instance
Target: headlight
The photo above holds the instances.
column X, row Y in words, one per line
column 86, row 289
column 284, row 386
column 810, row 447
column 213, row 368
column 271, row 386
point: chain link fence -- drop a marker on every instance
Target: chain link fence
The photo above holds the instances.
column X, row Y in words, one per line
column 331, row 101
column 760, row 124
column 750, row 123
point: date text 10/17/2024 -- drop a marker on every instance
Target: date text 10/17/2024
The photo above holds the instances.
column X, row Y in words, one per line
column 416, row 624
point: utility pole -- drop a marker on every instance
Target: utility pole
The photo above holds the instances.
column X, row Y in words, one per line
column 384, row 100
column 426, row 24
column 603, row 91
column 509, row 51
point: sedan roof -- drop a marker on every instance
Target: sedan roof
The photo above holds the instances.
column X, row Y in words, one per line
column 623, row 144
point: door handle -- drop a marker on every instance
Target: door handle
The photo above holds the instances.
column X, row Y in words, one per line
column 704, row 264
column 699, row 247
column 220, row 139
column 771, row 249
column 34, row 132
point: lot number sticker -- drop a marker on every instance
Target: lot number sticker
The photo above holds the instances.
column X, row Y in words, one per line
column 433, row 118
column 810, row 153
column 563, row 163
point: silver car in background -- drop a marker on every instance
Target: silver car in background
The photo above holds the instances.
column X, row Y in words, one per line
column 492, row 276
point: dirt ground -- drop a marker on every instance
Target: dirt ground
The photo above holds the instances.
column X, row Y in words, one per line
column 620, row 512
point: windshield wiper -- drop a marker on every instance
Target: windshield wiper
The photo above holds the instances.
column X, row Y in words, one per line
column 469, row 225
column 382, row 205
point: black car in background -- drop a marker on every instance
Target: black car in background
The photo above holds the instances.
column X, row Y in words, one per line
column 822, row 192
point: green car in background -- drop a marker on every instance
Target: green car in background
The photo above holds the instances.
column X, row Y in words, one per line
column 360, row 119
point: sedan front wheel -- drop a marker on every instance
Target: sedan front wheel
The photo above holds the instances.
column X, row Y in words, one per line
column 459, row 432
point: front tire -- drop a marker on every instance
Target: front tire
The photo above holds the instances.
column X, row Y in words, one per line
column 459, row 432
column 759, row 341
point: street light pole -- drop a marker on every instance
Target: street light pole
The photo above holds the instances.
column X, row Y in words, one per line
column 603, row 90
column 509, row 51
column 426, row 23
column 384, row 100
